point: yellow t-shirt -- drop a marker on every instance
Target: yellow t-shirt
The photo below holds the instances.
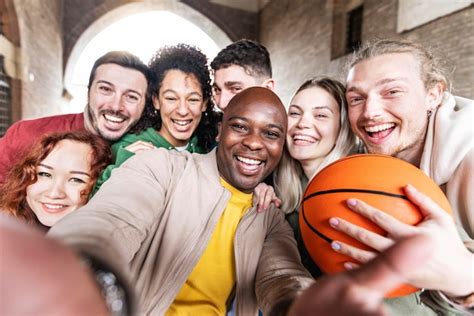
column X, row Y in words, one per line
column 209, row 285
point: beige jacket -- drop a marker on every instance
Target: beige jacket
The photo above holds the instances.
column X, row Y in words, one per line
column 153, row 219
column 448, row 156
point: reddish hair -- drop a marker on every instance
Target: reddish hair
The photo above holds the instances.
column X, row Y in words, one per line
column 23, row 174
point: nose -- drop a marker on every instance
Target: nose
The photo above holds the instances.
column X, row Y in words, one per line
column 56, row 189
column 304, row 121
column 224, row 99
column 116, row 103
column 183, row 108
column 253, row 141
column 372, row 107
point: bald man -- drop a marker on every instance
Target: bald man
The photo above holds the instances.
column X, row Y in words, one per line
column 181, row 226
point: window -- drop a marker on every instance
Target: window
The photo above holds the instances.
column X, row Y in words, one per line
column 354, row 29
column 5, row 100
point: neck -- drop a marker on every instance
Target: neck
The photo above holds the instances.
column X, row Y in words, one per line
column 88, row 124
column 310, row 167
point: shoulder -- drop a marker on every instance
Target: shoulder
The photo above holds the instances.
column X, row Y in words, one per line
column 50, row 124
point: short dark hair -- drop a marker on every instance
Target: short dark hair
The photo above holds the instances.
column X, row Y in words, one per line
column 189, row 60
column 121, row 58
column 248, row 54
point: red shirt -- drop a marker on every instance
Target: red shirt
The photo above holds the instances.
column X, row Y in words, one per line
column 23, row 134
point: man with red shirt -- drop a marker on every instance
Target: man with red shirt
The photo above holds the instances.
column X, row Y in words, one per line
column 116, row 99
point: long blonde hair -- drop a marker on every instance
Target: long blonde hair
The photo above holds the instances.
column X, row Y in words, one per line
column 289, row 178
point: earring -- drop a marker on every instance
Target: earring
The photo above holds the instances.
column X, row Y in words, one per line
column 430, row 112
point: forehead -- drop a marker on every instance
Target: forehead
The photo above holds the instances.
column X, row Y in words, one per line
column 257, row 108
column 234, row 73
column 116, row 73
column 69, row 153
column 180, row 79
column 314, row 97
column 395, row 65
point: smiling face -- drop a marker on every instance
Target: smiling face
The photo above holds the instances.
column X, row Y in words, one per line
column 229, row 81
column 116, row 100
column 181, row 104
column 61, row 179
column 251, row 138
column 388, row 105
column 313, row 126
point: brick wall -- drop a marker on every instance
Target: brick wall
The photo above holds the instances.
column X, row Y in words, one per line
column 298, row 36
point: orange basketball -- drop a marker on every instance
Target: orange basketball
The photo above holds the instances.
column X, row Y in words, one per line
column 375, row 179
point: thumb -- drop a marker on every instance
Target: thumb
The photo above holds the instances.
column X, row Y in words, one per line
column 394, row 266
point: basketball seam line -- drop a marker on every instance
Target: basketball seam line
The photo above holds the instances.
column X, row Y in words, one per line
column 355, row 191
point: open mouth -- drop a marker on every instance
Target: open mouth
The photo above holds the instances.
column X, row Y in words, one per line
column 114, row 120
column 300, row 139
column 249, row 166
column 379, row 131
column 182, row 123
column 54, row 208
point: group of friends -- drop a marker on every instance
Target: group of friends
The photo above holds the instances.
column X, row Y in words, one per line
column 177, row 190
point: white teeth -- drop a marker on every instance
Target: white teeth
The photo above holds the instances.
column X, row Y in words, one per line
column 113, row 118
column 182, row 123
column 379, row 128
column 249, row 161
column 305, row 138
column 54, row 206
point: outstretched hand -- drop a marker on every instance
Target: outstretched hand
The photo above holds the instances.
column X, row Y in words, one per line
column 448, row 270
column 361, row 291
column 41, row 277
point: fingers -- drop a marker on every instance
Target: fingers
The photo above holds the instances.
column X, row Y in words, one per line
column 385, row 221
column 427, row 206
column 368, row 238
column 360, row 255
column 395, row 266
column 264, row 195
column 139, row 146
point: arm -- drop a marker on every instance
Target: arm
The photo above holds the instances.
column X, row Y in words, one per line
column 448, row 270
column 112, row 226
column 280, row 275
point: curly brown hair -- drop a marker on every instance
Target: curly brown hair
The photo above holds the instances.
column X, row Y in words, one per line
column 23, row 174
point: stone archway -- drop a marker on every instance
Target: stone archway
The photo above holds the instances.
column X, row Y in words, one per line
column 180, row 9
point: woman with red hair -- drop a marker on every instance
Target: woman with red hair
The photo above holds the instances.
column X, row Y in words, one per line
column 55, row 177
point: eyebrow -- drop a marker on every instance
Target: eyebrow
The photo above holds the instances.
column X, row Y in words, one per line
column 279, row 127
column 313, row 108
column 175, row 92
column 380, row 82
column 231, row 83
column 111, row 84
column 72, row 171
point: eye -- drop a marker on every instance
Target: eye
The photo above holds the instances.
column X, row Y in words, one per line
column 170, row 99
column 105, row 89
column 238, row 127
column 132, row 98
column 272, row 134
column 393, row 92
column 235, row 90
column 320, row 115
column 294, row 113
column 44, row 174
column 355, row 100
column 194, row 100
column 216, row 90
column 77, row 180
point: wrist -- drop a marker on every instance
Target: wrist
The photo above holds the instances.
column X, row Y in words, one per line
column 463, row 284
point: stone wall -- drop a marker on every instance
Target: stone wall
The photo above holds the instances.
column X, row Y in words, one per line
column 298, row 34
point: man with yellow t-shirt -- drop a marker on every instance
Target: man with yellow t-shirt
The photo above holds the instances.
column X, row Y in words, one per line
column 181, row 229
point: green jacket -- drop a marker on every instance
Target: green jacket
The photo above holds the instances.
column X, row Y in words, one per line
column 120, row 154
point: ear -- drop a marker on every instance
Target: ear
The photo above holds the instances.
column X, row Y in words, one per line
column 204, row 105
column 435, row 96
column 269, row 84
column 156, row 102
column 219, row 128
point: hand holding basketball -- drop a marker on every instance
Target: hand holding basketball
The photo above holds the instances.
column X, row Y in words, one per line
column 449, row 266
